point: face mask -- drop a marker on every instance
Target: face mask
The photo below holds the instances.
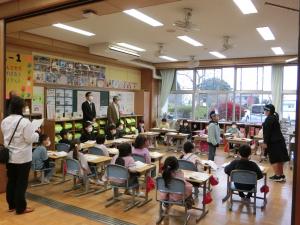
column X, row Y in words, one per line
column 113, row 131
column 89, row 129
column 185, row 124
column 180, row 123
column 142, row 125
column 48, row 143
column 233, row 126
column 91, row 98
column 121, row 128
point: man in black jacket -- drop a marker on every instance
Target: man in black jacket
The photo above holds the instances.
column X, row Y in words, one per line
column 88, row 108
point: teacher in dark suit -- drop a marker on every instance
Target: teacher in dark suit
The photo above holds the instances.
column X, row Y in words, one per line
column 113, row 111
column 88, row 108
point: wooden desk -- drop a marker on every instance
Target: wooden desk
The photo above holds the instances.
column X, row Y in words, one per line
column 130, row 136
column 118, row 141
column 162, row 130
column 113, row 151
column 88, row 144
column 156, row 156
column 97, row 159
column 239, row 141
column 54, row 155
column 202, row 137
column 264, row 170
column 202, row 179
column 182, row 137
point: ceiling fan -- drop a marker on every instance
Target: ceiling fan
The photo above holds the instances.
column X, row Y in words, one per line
column 227, row 45
column 193, row 63
column 186, row 24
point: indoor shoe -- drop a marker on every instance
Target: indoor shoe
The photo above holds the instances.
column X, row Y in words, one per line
column 27, row 210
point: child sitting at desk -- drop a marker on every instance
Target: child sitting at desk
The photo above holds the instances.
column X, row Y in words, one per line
column 87, row 134
column 125, row 159
column 85, row 169
column 100, row 140
column 190, row 156
column 120, row 130
column 141, row 148
column 235, row 132
column 40, row 158
column 171, row 170
column 141, row 128
column 64, row 137
column 112, row 132
column 244, row 164
column 185, row 129
column 164, row 124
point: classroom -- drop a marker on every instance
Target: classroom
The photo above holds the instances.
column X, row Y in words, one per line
column 143, row 112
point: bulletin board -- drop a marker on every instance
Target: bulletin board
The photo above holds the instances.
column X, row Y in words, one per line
column 37, row 104
column 19, row 74
column 126, row 102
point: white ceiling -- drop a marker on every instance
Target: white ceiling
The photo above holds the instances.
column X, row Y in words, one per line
column 215, row 18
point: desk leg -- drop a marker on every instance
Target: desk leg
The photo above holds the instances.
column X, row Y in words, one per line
column 63, row 175
column 146, row 198
column 227, row 191
column 265, row 194
column 204, row 211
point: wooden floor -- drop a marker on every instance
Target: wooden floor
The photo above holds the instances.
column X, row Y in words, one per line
column 278, row 210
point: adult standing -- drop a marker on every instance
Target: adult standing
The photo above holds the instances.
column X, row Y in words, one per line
column 274, row 143
column 213, row 138
column 88, row 108
column 20, row 154
column 113, row 111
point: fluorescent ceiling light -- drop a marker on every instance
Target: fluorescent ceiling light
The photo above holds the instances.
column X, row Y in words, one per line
column 218, row 55
column 135, row 48
column 168, row 58
column 291, row 60
column 123, row 50
column 277, row 50
column 73, row 29
column 246, row 6
column 266, row 33
column 142, row 17
column 189, row 40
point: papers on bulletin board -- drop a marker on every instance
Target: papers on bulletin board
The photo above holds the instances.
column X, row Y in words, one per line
column 50, row 111
column 37, row 105
column 103, row 110
column 126, row 101
column 50, row 92
column 36, row 124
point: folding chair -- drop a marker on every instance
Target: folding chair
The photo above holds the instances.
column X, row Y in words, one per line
column 243, row 177
column 187, row 165
column 62, row 147
column 73, row 169
column 118, row 177
column 176, row 186
column 96, row 151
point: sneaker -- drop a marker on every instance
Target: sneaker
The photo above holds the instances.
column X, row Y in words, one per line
column 141, row 194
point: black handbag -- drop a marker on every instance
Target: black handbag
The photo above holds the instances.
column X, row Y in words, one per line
column 4, row 151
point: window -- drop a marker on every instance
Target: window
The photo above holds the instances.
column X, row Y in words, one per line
column 184, row 80
column 290, row 78
column 289, row 107
column 180, row 106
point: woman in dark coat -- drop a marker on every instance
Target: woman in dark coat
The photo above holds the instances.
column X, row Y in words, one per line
column 274, row 143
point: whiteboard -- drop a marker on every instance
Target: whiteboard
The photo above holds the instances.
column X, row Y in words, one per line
column 81, row 98
column 126, row 103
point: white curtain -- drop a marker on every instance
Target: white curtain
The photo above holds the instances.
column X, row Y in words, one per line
column 167, row 78
column 276, row 85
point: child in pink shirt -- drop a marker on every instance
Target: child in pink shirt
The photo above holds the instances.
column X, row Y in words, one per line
column 141, row 148
column 170, row 170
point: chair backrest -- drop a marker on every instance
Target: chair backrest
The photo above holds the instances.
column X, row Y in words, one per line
column 243, row 177
column 176, row 186
column 117, row 172
column 96, row 151
column 138, row 158
column 73, row 167
column 62, row 147
column 186, row 165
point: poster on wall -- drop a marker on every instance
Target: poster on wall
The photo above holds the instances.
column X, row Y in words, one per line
column 37, row 105
column 81, row 98
column 19, row 74
column 126, row 101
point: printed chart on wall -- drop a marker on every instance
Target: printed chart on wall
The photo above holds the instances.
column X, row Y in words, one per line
column 81, row 98
column 19, row 73
column 38, row 100
column 126, row 103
